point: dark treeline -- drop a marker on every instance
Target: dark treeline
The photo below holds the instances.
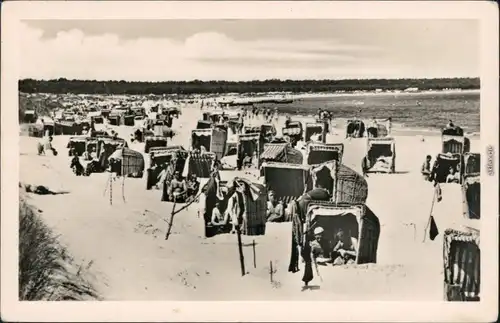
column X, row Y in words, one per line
column 62, row 86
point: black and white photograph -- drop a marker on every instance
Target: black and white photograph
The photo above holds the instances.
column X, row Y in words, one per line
column 221, row 157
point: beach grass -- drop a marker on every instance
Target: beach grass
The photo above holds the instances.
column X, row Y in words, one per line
column 45, row 270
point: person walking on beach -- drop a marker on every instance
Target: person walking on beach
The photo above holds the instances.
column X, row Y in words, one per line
column 388, row 125
column 364, row 166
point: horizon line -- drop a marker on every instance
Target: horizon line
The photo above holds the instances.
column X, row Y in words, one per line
column 255, row 80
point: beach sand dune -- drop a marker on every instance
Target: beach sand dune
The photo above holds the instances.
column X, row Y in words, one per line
column 131, row 260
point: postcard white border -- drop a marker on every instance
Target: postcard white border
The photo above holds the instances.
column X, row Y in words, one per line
column 13, row 310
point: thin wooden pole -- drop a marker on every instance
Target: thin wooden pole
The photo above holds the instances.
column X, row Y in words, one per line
column 240, row 250
column 171, row 221
column 105, row 188
column 110, row 190
column 271, row 270
column 254, row 255
column 123, row 188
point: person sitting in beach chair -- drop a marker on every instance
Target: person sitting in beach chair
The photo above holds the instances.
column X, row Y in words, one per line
column 275, row 209
column 426, row 168
column 316, row 137
column 450, row 124
column 321, row 248
column 345, row 249
column 93, row 165
column 177, row 188
column 247, row 161
column 75, row 165
column 217, row 218
column 453, row 176
column 193, row 186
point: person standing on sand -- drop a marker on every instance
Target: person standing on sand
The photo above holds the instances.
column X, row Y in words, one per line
column 364, row 166
column 389, row 125
column 426, row 168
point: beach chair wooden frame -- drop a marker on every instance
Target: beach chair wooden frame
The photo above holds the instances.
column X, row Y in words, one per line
column 461, row 262
column 153, row 142
column 78, row 143
column 468, row 183
column 268, row 129
column 313, row 128
column 257, row 138
column 472, row 164
column 388, row 141
column 294, row 129
column 252, row 130
column 132, row 162
column 452, row 144
column 305, row 185
column 274, row 152
column 217, row 141
column 203, row 124
column 323, row 147
column 368, row 226
column 194, row 160
column 451, row 157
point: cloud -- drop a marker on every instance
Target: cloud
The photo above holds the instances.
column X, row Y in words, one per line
column 205, row 55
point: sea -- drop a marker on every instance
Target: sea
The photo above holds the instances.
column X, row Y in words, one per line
column 425, row 113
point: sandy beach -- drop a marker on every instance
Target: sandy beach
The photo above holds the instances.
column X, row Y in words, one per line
column 128, row 258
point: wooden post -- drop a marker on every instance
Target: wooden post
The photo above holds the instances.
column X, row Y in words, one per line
column 240, row 250
column 110, row 190
column 254, row 258
column 271, row 270
column 123, row 188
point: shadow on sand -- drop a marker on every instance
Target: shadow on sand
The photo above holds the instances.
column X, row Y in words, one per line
column 311, row 287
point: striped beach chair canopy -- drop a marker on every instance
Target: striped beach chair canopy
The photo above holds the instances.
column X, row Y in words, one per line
column 462, row 264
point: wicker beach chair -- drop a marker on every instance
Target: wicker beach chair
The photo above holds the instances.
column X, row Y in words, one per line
column 461, row 253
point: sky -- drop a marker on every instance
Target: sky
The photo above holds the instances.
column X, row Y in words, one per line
column 240, row 50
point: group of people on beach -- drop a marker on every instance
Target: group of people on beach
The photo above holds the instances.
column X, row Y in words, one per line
column 431, row 173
